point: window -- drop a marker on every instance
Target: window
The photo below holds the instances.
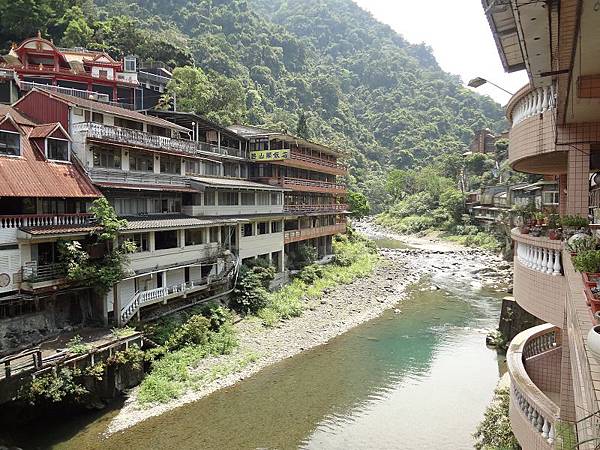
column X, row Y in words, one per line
column 158, row 131
column 130, row 206
column 248, row 230
column 214, row 234
column 263, row 198
column 142, row 162
column 126, row 123
column 141, row 240
column 262, row 228
column 228, row 198
column 167, row 205
column 130, row 64
column 551, row 198
column 193, row 166
column 102, row 73
column 165, row 239
column 94, row 117
column 57, row 149
column 194, row 237
column 276, row 227
column 170, row 165
column 247, row 198
column 107, row 159
column 231, row 170
column 212, row 169
column 209, row 198
column 276, row 198
column 10, row 143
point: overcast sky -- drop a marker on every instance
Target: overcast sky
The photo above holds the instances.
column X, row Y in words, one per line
column 459, row 34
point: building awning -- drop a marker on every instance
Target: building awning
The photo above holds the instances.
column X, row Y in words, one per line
column 173, row 221
column 232, row 183
column 146, row 187
column 55, row 231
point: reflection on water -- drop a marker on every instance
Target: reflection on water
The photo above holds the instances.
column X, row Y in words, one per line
column 420, row 379
column 384, row 242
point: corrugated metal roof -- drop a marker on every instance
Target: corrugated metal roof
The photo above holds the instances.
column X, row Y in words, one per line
column 16, row 115
column 110, row 109
column 165, row 221
column 31, row 175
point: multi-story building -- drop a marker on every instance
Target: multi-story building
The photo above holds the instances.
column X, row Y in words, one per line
column 188, row 207
column 555, row 130
column 43, row 199
column 37, row 62
column 314, row 201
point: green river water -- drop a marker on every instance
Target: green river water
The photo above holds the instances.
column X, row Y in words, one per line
column 420, row 379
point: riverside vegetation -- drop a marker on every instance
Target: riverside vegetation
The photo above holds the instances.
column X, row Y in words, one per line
column 183, row 341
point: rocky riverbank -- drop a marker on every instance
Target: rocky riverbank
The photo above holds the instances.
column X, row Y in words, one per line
column 341, row 309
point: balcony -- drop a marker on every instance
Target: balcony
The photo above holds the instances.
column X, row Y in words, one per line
column 307, row 209
column 180, row 290
column 144, row 140
column 9, row 225
column 539, row 283
column 303, row 161
column 36, row 277
column 533, row 360
column 312, row 233
column 137, row 178
column 303, row 185
column 532, row 136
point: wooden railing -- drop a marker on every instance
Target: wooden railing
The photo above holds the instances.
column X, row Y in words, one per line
column 315, row 160
column 144, row 139
column 291, row 182
column 335, row 207
column 310, row 233
column 43, row 220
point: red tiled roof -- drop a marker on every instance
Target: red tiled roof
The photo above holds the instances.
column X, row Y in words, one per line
column 31, row 175
column 59, row 229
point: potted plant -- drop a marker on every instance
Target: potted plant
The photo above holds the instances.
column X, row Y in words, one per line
column 536, row 231
column 593, row 341
column 523, row 218
column 581, row 243
column 572, row 224
column 588, row 263
column 539, row 218
column 553, row 227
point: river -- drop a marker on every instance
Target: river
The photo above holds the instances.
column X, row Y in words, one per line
column 416, row 378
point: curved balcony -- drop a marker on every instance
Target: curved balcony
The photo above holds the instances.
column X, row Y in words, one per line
column 533, row 360
column 539, row 285
column 532, row 148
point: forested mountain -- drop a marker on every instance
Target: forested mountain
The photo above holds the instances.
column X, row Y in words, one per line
column 362, row 87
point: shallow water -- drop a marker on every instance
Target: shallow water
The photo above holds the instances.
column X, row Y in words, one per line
column 417, row 379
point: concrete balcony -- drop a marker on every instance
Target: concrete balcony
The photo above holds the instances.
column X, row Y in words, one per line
column 539, row 285
column 533, row 360
column 312, row 233
column 141, row 139
column 10, row 225
column 228, row 210
column 532, row 136
column 122, row 177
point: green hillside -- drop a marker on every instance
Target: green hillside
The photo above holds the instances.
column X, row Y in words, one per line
column 362, row 87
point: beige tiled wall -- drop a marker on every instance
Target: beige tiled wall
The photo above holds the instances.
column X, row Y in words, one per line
column 578, row 181
column 523, row 430
column 544, row 370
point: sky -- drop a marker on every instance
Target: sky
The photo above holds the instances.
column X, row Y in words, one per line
column 459, row 34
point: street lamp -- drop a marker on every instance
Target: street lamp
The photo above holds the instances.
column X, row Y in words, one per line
column 479, row 81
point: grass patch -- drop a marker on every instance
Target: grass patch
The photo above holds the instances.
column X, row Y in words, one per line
column 481, row 240
column 355, row 258
column 171, row 375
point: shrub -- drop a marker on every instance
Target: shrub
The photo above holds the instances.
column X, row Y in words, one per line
column 251, row 290
column 582, row 244
column 574, row 221
column 217, row 315
column 77, row 346
column 494, row 431
column 304, row 256
column 54, row 387
column 193, row 332
column 588, row 261
column 310, row 274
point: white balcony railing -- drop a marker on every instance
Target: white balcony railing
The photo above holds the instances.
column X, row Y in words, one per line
column 545, row 260
column 99, row 175
column 120, row 135
column 43, row 220
column 535, row 102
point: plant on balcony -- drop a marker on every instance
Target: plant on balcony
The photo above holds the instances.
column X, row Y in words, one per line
column 583, row 243
column 571, row 224
column 553, row 222
column 587, row 261
column 523, row 215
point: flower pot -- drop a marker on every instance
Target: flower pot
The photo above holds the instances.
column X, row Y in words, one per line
column 593, row 342
column 591, row 278
column 554, row 235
